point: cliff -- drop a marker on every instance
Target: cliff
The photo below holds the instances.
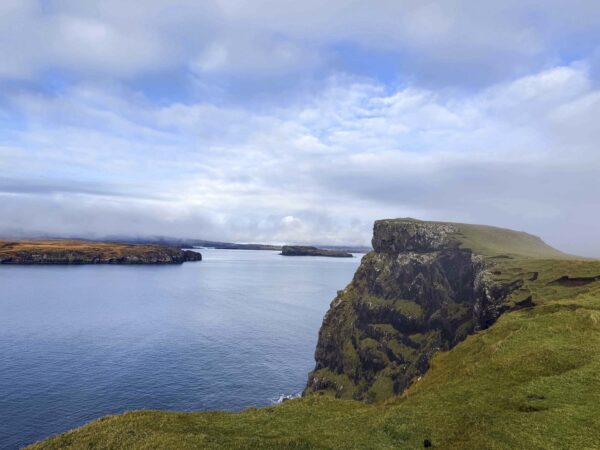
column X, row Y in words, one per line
column 421, row 291
column 86, row 252
column 299, row 250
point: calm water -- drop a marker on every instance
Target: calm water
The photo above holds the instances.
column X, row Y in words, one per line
column 235, row 330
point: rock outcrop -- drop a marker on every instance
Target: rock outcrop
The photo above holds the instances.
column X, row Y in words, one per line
column 299, row 250
column 84, row 252
column 416, row 294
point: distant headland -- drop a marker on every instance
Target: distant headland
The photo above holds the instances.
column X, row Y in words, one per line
column 90, row 252
column 300, row 250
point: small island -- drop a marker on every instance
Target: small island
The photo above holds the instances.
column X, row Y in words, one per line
column 89, row 252
column 300, row 250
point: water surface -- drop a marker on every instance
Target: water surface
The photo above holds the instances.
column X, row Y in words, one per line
column 233, row 331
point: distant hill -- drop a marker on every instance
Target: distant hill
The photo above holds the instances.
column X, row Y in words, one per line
column 201, row 243
column 180, row 242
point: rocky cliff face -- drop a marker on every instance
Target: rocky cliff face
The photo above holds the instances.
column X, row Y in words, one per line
column 416, row 294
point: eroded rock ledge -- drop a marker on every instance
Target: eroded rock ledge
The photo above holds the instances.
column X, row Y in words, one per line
column 416, row 294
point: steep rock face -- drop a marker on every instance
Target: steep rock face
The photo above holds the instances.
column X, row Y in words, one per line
column 418, row 293
column 396, row 236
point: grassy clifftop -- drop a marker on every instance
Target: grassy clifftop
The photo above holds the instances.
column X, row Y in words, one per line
column 493, row 241
column 529, row 381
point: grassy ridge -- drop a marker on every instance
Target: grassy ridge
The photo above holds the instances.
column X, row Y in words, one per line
column 530, row 381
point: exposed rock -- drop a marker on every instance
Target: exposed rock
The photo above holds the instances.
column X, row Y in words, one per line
column 299, row 250
column 416, row 294
column 408, row 235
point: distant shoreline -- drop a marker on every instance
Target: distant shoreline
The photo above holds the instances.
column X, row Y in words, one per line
column 181, row 243
column 298, row 250
column 77, row 252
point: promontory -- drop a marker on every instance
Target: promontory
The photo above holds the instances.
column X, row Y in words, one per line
column 88, row 252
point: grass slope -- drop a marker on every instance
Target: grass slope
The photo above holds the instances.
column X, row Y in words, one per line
column 530, row 381
column 492, row 241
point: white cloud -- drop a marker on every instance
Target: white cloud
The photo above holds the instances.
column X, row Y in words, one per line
column 87, row 44
column 213, row 58
column 453, row 42
column 253, row 55
column 105, row 160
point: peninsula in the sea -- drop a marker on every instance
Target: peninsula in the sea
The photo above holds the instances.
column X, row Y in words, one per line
column 90, row 252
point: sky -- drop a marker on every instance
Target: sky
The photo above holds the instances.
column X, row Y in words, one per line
column 299, row 122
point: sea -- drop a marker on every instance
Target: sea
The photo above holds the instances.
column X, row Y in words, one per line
column 233, row 331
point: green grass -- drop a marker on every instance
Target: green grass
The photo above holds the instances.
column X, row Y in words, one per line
column 531, row 381
column 494, row 242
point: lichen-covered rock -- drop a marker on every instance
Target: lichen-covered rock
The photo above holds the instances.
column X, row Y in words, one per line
column 416, row 294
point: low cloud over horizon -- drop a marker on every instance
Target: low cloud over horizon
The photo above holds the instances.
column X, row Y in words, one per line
column 300, row 123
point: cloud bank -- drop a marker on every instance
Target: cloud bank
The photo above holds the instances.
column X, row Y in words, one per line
column 287, row 122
